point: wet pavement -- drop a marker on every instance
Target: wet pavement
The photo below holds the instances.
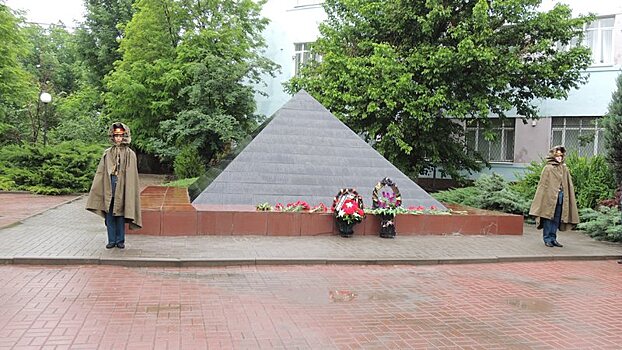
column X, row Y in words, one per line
column 532, row 305
column 61, row 289
column 17, row 206
column 68, row 234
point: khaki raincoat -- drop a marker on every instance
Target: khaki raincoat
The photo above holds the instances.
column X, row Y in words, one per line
column 555, row 176
column 127, row 191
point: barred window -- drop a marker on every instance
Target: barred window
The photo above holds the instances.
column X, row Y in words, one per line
column 582, row 134
column 302, row 56
column 499, row 146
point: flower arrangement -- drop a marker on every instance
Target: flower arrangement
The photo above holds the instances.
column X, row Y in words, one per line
column 348, row 210
column 389, row 200
column 348, row 206
column 386, row 198
column 298, row 206
column 322, row 208
column 413, row 210
column 386, row 205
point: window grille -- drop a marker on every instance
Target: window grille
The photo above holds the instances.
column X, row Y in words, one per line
column 500, row 148
column 582, row 134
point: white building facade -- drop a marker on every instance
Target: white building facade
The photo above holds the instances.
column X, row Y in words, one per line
column 294, row 25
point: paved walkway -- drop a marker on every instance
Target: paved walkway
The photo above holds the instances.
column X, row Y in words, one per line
column 68, row 234
column 375, row 300
column 550, row 305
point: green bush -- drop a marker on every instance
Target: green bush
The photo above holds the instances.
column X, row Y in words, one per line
column 528, row 181
column 490, row 192
column 465, row 196
column 592, row 178
column 602, row 224
column 497, row 194
column 67, row 167
column 188, row 163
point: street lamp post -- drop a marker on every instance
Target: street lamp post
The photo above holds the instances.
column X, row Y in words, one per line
column 46, row 98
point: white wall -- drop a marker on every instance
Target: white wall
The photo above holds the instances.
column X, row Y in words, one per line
column 289, row 24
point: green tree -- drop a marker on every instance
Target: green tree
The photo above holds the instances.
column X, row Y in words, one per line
column 17, row 86
column 399, row 71
column 79, row 117
column 613, row 132
column 56, row 66
column 145, row 83
column 98, row 37
column 186, row 74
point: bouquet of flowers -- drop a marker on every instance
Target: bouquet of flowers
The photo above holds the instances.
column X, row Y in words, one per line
column 348, row 206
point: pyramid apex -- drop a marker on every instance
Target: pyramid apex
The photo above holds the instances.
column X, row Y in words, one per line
column 306, row 153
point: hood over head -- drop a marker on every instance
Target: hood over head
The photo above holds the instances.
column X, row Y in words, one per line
column 119, row 128
column 551, row 156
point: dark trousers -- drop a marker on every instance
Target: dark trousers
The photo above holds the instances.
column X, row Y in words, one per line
column 115, row 225
column 549, row 234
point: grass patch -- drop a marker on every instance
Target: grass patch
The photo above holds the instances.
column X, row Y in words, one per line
column 181, row 182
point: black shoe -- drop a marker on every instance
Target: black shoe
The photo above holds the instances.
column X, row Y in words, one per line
column 110, row 245
column 549, row 244
column 557, row 244
column 121, row 245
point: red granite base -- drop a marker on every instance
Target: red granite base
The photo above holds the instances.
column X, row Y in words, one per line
column 167, row 211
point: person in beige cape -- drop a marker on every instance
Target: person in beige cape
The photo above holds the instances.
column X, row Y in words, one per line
column 555, row 205
column 115, row 192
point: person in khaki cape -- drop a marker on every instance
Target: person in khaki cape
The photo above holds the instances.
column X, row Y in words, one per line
column 115, row 192
column 555, row 205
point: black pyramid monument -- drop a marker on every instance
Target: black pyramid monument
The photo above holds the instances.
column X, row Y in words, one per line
column 305, row 153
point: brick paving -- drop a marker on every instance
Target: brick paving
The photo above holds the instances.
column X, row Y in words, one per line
column 68, row 234
column 529, row 305
column 301, row 292
column 17, row 206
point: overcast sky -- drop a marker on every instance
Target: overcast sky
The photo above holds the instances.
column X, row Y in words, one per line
column 69, row 11
column 50, row 11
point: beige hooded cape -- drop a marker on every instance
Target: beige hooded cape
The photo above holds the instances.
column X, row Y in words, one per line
column 555, row 175
column 127, row 192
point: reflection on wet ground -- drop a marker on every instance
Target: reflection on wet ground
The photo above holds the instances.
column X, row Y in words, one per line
column 543, row 305
column 531, row 304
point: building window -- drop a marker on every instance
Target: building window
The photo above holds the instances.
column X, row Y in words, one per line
column 599, row 38
column 582, row 134
column 498, row 146
column 302, row 56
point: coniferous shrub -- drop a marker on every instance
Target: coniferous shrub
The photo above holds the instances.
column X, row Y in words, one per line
column 528, row 181
column 497, row 194
column 612, row 124
column 490, row 192
column 465, row 196
column 67, row 167
column 602, row 224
